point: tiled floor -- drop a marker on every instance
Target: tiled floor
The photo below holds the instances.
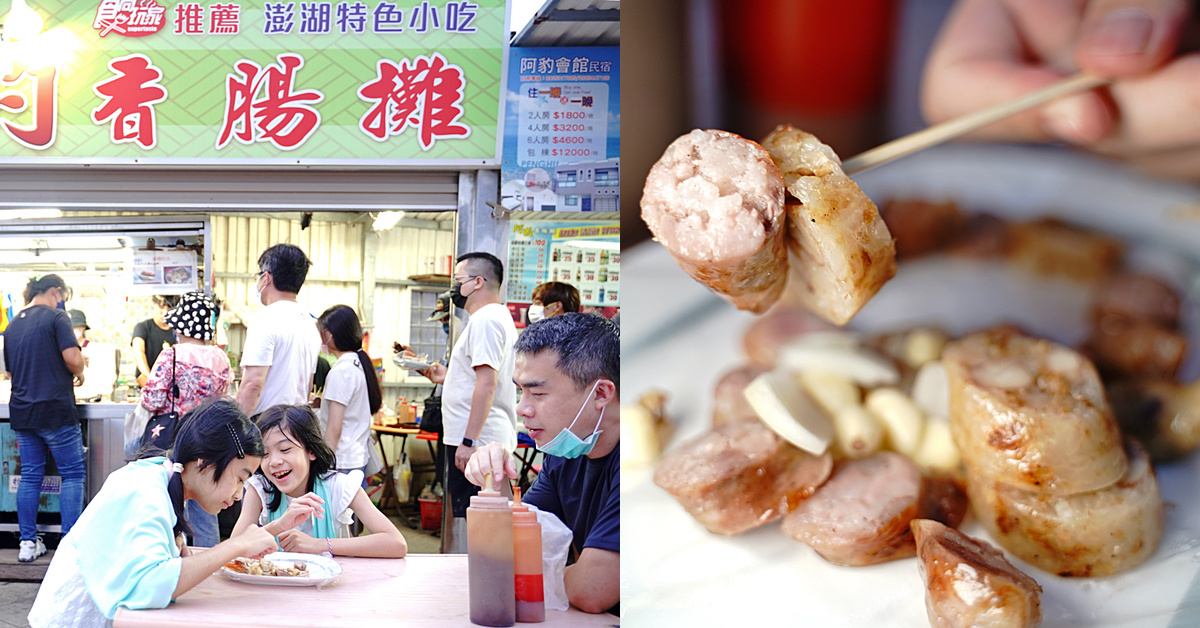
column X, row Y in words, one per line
column 16, row 597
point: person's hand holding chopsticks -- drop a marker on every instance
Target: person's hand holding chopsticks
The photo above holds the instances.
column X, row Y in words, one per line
column 990, row 51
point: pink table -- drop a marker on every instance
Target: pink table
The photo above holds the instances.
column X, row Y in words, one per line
column 420, row 590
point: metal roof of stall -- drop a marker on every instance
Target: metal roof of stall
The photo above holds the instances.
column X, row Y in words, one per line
column 573, row 23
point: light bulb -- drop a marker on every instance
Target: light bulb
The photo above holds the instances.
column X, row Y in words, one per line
column 386, row 220
column 22, row 22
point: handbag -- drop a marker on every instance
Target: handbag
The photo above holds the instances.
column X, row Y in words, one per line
column 431, row 415
column 159, row 435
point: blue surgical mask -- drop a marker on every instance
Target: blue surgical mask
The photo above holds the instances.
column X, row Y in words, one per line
column 62, row 305
column 566, row 444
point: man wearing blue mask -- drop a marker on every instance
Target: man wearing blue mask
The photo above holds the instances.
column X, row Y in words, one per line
column 568, row 370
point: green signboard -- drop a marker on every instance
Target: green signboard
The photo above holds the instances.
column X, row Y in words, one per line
column 345, row 82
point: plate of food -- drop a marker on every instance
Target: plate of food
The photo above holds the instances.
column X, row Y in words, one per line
column 177, row 274
column 1074, row 230
column 411, row 364
column 283, row 569
column 146, row 275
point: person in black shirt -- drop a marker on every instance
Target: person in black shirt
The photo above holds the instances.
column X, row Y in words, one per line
column 46, row 363
column 151, row 336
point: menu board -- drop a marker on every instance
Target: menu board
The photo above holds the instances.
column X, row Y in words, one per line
column 587, row 256
column 163, row 272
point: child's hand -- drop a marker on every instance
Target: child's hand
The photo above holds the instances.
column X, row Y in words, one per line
column 256, row 542
column 296, row 541
column 302, row 508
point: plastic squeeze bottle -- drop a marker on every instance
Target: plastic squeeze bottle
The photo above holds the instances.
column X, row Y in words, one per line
column 491, row 576
column 527, row 560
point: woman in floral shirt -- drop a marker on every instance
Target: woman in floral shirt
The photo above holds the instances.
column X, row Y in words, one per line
column 201, row 371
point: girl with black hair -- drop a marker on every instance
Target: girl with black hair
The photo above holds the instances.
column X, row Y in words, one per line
column 126, row 550
column 352, row 395
column 298, row 480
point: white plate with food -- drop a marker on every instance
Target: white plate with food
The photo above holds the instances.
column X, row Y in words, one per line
column 284, row 569
column 678, row 337
column 411, row 364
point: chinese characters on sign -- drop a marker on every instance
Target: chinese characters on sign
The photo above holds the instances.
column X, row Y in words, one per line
column 266, row 94
column 43, row 103
column 129, row 99
column 426, row 95
column 131, row 18
column 561, row 147
column 279, row 116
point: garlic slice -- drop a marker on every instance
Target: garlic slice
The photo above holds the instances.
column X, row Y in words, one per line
column 860, row 365
column 785, row 408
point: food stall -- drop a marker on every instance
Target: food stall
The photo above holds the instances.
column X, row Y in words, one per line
column 128, row 111
column 108, row 262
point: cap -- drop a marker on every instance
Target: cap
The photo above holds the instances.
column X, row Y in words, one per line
column 442, row 309
column 78, row 319
column 193, row 317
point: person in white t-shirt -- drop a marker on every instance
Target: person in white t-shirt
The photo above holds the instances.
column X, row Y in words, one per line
column 352, row 394
column 280, row 355
column 478, row 399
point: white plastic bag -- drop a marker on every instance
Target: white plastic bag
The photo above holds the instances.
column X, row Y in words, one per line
column 135, row 426
column 556, row 542
column 402, row 476
column 374, row 461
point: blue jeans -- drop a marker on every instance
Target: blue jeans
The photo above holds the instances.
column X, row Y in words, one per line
column 205, row 532
column 66, row 445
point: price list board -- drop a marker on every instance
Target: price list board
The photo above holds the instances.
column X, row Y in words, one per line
column 561, row 127
column 587, row 256
column 564, row 121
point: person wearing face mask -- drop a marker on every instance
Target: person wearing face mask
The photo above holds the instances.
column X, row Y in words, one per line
column 46, row 363
column 99, row 358
column 477, row 401
column 551, row 299
column 279, row 359
column 568, row 370
column 151, row 336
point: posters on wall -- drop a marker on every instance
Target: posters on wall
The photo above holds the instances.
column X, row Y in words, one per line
column 562, row 130
column 587, row 256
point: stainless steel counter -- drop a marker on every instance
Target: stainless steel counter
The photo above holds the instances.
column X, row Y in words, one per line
column 104, row 441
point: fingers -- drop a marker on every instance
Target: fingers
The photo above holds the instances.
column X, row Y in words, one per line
column 491, row 459
column 1126, row 37
column 1158, row 110
column 259, row 543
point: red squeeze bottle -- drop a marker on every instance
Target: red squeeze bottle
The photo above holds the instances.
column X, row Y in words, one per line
column 527, row 560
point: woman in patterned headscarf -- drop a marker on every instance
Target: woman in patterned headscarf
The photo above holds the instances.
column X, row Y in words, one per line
column 184, row 376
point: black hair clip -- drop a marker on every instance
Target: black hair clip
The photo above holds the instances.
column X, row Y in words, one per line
column 237, row 442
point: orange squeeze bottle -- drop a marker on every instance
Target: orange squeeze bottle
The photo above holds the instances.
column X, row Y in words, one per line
column 527, row 561
column 490, row 576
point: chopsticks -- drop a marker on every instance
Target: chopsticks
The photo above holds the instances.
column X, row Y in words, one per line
column 950, row 129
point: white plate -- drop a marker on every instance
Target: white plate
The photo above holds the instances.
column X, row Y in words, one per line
column 412, row 365
column 320, row 571
column 677, row 336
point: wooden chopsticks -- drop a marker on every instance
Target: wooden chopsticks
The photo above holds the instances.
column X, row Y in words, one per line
column 950, row 129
